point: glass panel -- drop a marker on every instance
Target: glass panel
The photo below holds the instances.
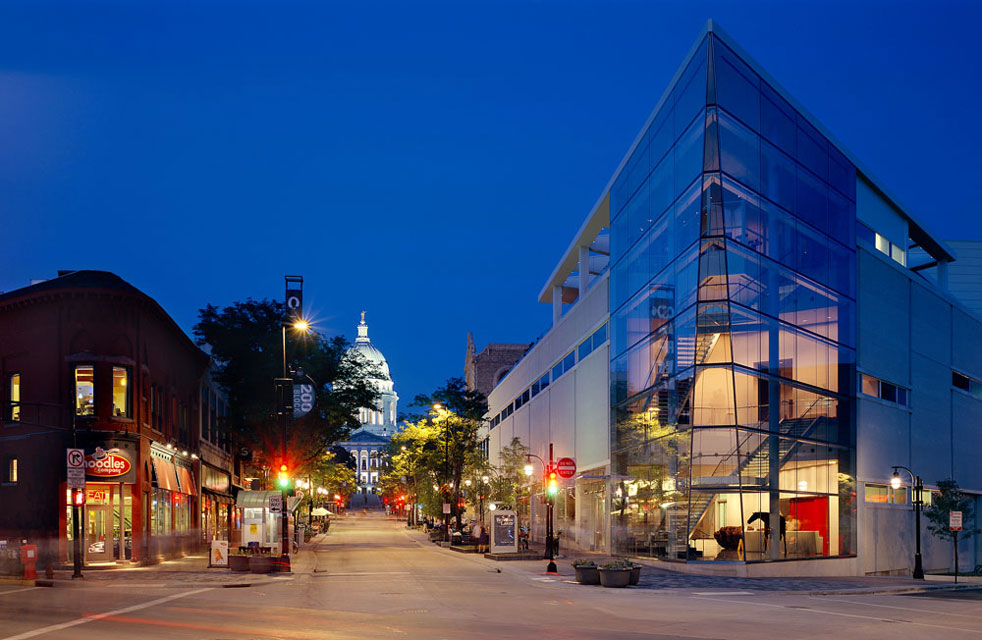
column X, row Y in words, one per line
column 739, row 151
column 777, row 176
column 85, row 390
column 870, row 386
column 812, row 201
column 121, row 392
column 737, row 86
column 777, row 120
column 713, row 397
column 688, row 156
column 813, row 149
column 692, row 89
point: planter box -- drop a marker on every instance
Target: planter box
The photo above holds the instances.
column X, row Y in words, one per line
column 259, row 564
column 635, row 575
column 238, row 563
column 587, row 575
column 615, row 578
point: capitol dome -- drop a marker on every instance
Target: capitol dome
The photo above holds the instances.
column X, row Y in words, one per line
column 380, row 420
column 364, row 348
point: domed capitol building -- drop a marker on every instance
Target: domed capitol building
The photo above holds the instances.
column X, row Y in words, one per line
column 378, row 424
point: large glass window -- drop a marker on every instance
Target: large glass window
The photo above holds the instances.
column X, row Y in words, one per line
column 85, row 390
column 15, row 397
column 121, row 392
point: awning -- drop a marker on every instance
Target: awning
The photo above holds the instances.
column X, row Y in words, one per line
column 320, row 511
column 166, row 474
column 255, row 499
column 186, row 480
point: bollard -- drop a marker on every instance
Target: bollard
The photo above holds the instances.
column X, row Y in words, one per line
column 29, row 558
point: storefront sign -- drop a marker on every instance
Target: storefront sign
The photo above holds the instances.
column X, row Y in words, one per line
column 105, row 464
column 96, row 495
column 219, row 553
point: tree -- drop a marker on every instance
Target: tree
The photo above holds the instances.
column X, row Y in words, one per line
column 244, row 341
column 949, row 498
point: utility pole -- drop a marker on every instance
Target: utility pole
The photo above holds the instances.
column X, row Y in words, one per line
column 552, row 489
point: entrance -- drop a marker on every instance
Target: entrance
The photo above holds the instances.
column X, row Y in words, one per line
column 98, row 544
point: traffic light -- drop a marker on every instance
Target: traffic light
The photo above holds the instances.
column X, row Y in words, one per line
column 78, row 497
column 284, row 477
column 552, row 483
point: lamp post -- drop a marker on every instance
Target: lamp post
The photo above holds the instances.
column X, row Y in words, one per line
column 285, row 414
column 446, row 465
column 547, row 471
column 918, row 486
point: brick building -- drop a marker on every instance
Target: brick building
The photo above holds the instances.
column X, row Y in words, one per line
column 88, row 352
column 482, row 371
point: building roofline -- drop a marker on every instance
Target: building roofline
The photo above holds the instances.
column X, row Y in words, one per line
column 921, row 234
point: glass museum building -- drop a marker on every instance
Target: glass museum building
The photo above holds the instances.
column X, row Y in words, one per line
column 778, row 334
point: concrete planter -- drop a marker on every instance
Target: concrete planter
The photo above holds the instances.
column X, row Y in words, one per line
column 635, row 575
column 615, row 578
column 259, row 564
column 587, row 575
column 238, row 563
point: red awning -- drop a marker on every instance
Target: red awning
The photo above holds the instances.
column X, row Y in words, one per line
column 187, row 481
column 166, row 474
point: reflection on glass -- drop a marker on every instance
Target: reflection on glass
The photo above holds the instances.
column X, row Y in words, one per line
column 84, row 390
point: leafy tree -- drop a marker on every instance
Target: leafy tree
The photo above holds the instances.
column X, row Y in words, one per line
column 949, row 498
column 456, row 398
column 244, row 340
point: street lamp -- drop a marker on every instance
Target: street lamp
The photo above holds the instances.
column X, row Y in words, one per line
column 918, row 486
column 440, row 409
column 302, row 326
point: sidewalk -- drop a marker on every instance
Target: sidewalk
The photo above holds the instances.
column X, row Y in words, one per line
column 188, row 571
column 654, row 578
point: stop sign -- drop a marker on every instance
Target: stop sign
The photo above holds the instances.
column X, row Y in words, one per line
column 566, row 467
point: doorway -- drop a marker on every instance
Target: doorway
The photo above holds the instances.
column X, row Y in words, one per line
column 98, row 544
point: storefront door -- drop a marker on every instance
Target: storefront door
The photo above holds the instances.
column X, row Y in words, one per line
column 98, row 543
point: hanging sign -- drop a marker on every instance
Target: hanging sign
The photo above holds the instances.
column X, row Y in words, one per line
column 304, row 396
column 294, row 295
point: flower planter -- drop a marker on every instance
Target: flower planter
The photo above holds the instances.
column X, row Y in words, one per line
column 259, row 564
column 238, row 563
column 587, row 575
column 635, row 575
column 615, row 578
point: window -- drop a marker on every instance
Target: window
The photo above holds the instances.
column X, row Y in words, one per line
column 877, row 388
column 884, row 494
column 10, row 471
column 585, row 348
column 15, row 397
column 967, row 384
column 85, row 390
column 894, row 251
column 121, row 392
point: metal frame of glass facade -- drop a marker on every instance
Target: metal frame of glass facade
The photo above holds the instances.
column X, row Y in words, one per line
column 732, row 297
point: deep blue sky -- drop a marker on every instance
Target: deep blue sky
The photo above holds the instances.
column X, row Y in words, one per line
column 426, row 162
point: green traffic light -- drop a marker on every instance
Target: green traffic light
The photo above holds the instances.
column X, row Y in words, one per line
column 284, row 483
column 553, row 489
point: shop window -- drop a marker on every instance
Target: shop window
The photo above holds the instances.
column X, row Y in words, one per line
column 85, row 390
column 10, row 471
column 884, row 494
column 15, row 397
column 121, row 392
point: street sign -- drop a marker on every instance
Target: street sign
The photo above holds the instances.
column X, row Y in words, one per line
column 446, row 508
column 566, row 467
column 954, row 520
column 75, row 468
column 276, row 504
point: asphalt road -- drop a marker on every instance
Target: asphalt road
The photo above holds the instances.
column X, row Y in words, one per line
column 374, row 579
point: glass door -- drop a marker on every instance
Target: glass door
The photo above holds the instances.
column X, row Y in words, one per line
column 98, row 545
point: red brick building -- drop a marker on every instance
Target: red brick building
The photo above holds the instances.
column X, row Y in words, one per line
column 90, row 352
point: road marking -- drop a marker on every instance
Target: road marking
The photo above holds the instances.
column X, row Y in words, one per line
column 99, row 616
column 826, row 612
column 369, row 573
column 723, row 593
column 887, row 606
column 7, row 593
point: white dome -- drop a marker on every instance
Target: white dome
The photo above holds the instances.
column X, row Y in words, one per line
column 364, row 348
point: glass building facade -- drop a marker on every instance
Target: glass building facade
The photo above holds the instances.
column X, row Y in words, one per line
column 733, row 335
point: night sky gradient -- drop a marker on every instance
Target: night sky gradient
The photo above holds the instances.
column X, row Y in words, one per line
column 427, row 162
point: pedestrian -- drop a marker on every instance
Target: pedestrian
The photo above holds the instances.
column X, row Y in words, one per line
column 477, row 534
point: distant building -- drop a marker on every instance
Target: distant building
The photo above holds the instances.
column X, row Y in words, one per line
column 484, row 370
column 378, row 423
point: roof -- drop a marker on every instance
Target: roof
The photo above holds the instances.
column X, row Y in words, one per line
column 599, row 214
column 100, row 281
column 254, row 499
column 364, row 436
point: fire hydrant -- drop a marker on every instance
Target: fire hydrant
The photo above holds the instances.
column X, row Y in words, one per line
column 29, row 558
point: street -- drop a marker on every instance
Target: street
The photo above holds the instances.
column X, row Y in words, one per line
column 372, row 577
